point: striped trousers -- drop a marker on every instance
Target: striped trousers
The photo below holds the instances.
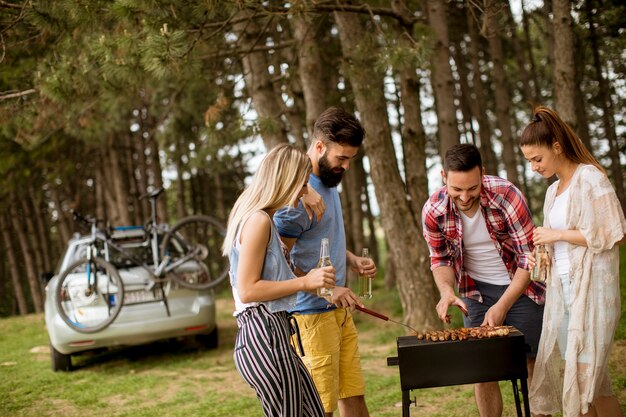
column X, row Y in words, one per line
column 268, row 363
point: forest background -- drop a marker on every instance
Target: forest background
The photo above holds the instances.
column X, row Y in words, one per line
column 103, row 100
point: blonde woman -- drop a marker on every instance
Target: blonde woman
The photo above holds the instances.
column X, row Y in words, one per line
column 583, row 224
column 264, row 287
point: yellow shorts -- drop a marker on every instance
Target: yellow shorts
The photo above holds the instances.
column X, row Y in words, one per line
column 331, row 351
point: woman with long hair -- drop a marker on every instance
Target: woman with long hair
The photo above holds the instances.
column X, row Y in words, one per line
column 264, row 287
column 582, row 228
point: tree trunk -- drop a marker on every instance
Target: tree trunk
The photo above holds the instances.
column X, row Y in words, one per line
column 607, row 110
column 441, row 77
column 62, row 221
column 134, row 206
column 416, row 292
column 518, row 52
column 218, row 193
column 356, row 186
column 413, row 134
column 503, row 102
column 390, row 274
column 102, row 203
column 42, row 229
column 155, row 168
column 33, row 240
column 464, row 96
column 258, row 82
column 480, row 100
column 180, row 188
column 346, row 208
column 371, row 227
column 120, row 216
column 29, row 266
column 288, row 83
column 546, row 11
column 531, row 57
column 142, row 168
column 580, row 102
column 310, row 68
column 413, row 143
column 11, row 257
column 563, row 77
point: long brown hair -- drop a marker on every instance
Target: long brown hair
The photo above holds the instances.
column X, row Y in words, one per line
column 276, row 183
column 547, row 127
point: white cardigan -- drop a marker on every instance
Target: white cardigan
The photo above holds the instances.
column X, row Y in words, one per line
column 594, row 209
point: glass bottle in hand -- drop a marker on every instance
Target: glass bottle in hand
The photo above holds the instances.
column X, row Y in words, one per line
column 540, row 271
column 365, row 282
column 324, row 261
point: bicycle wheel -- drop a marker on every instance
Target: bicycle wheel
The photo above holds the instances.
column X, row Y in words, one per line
column 194, row 247
column 89, row 295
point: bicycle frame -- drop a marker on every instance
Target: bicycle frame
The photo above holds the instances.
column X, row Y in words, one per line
column 159, row 268
column 170, row 247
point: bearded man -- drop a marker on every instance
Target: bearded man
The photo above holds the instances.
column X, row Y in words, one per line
column 328, row 334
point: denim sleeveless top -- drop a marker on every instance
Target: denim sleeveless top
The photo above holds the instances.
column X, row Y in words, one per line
column 275, row 268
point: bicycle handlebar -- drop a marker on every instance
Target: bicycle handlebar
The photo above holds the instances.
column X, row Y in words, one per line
column 82, row 219
column 90, row 222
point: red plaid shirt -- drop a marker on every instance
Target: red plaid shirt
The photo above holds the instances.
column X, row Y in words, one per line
column 509, row 223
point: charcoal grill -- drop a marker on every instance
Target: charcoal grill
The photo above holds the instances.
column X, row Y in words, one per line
column 427, row 364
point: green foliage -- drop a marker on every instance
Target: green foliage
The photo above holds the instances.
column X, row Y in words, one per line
column 162, row 52
column 414, row 53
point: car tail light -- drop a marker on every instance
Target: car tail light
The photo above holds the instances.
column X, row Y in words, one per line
column 83, row 343
column 194, row 328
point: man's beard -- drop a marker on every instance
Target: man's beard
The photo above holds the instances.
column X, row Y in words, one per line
column 328, row 177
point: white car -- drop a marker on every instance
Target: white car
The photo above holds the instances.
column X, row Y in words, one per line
column 150, row 312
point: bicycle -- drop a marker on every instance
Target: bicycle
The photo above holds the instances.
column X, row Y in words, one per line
column 90, row 292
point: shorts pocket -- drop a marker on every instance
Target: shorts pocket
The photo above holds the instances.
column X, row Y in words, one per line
column 317, row 362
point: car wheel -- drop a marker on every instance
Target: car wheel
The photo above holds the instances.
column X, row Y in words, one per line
column 60, row 361
column 208, row 341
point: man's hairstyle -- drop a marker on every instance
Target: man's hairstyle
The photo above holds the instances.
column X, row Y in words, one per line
column 338, row 126
column 463, row 158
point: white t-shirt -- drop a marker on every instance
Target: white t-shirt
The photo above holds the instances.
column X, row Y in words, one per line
column 558, row 222
column 481, row 259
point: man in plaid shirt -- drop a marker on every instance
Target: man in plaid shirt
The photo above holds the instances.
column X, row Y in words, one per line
column 479, row 233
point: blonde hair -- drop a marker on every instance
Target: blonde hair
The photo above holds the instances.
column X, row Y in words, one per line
column 546, row 127
column 280, row 177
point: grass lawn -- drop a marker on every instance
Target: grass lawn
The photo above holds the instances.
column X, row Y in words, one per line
column 178, row 379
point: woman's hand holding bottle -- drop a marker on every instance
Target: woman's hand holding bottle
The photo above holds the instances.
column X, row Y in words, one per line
column 323, row 277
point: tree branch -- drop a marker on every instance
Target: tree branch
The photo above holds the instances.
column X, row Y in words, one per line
column 11, row 5
column 6, row 96
column 334, row 6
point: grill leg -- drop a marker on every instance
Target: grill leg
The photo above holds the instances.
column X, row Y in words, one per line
column 406, row 403
column 525, row 397
column 518, row 406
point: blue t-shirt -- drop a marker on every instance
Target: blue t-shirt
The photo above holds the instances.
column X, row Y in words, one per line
column 295, row 223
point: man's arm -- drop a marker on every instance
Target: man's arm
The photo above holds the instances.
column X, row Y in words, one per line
column 360, row 265
column 445, row 281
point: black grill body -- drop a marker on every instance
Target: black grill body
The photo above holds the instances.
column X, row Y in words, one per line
column 427, row 364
